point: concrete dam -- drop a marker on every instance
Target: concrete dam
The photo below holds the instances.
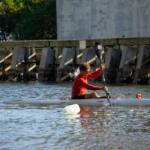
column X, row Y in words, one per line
column 107, row 19
column 122, row 26
column 126, row 60
column 96, row 19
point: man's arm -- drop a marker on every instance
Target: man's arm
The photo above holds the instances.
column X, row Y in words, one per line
column 90, row 86
column 96, row 73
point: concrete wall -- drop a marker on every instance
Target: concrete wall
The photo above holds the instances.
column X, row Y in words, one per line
column 91, row 19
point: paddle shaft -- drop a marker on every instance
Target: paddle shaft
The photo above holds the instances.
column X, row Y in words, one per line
column 108, row 97
column 100, row 57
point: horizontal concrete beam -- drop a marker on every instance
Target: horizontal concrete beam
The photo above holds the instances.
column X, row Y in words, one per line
column 134, row 41
column 26, row 43
column 74, row 43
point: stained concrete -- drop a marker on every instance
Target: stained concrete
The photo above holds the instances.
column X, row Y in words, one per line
column 68, row 57
column 89, row 56
column 2, row 54
column 18, row 56
column 91, row 19
column 47, row 58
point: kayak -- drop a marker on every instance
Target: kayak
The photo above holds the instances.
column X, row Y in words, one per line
column 88, row 102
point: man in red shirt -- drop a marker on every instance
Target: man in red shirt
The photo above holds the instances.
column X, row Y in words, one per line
column 81, row 84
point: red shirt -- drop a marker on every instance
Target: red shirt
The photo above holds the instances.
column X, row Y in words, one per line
column 81, row 84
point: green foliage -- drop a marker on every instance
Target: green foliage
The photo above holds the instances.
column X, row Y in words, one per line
column 28, row 19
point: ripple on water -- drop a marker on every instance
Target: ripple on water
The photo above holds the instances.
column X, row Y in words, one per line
column 47, row 127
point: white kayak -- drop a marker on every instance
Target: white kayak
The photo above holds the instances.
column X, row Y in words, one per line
column 89, row 102
column 113, row 102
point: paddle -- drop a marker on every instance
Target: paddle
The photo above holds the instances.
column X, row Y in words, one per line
column 108, row 97
column 99, row 52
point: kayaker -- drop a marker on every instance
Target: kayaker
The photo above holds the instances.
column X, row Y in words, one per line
column 81, row 84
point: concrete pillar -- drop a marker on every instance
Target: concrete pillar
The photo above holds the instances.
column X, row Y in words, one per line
column 82, row 44
column 127, row 63
column 47, row 65
column 122, row 62
column 47, row 58
column 18, row 65
column 108, row 57
column 80, row 52
column 139, row 63
column 68, row 58
column 89, row 56
column 18, row 57
column 58, row 55
column 2, row 68
column 2, row 54
column 123, row 56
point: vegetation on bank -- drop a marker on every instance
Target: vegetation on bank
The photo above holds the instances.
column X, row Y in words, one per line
column 28, row 19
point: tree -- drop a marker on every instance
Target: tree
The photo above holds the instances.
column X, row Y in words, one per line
column 28, row 19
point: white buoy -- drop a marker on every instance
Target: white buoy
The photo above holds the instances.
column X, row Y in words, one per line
column 72, row 109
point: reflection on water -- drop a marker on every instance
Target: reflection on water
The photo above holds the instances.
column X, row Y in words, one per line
column 49, row 128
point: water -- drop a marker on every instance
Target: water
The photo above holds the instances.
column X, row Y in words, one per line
column 48, row 128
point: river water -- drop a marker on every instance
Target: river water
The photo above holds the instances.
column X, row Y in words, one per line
column 49, row 128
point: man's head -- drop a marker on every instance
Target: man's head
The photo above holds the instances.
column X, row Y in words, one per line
column 98, row 46
column 85, row 68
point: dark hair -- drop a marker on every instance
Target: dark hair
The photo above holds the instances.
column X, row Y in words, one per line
column 84, row 67
column 98, row 43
